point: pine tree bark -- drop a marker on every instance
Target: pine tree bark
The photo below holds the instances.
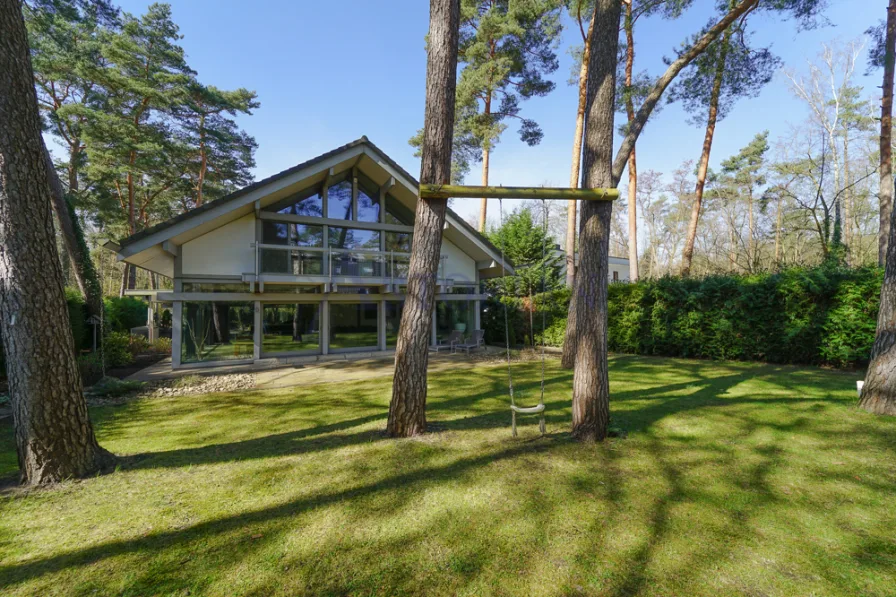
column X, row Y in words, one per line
column 53, row 433
column 886, row 135
column 407, row 409
column 575, row 169
column 632, row 160
column 687, row 255
column 879, row 392
column 591, row 385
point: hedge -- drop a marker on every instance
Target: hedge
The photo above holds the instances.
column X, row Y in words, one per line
column 818, row 316
column 122, row 314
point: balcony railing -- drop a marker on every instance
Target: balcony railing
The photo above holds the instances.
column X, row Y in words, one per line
column 319, row 261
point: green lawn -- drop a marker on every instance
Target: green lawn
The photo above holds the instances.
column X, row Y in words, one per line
column 735, row 479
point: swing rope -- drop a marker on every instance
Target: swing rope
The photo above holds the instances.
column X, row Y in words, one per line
column 514, row 409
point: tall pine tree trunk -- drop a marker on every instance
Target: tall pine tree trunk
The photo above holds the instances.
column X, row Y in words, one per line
column 879, row 392
column 53, row 434
column 886, row 134
column 778, row 224
column 572, row 205
column 73, row 237
column 632, row 160
column 688, row 253
column 591, row 384
column 483, row 203
column 407, row 410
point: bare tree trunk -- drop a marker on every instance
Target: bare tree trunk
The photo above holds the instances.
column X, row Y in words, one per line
column 751, row 245
column 483, row 204
column 591, row 384
column 778, row 225
column 687, row 255
column 572, row 205
column 632, row 160
column 886, row 132
column 847, row 198
column 407, row 410
column 53, row 433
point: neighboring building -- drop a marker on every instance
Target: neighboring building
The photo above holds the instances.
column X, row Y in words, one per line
column 309, row 262
column 619, row 270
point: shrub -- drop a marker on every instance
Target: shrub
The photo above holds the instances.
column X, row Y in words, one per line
column 124, row 313
column 110, row 387
column 138, row 345
column 161, row 346
column 91, row 368
column 116, row 350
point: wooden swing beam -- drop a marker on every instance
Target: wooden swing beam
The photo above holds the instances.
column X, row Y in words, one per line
column 447, row 191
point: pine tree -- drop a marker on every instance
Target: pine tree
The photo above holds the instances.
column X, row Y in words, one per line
column 407, row 409
column 729, row 70
column 506, row 47
column 221, row 155
column 53, row 434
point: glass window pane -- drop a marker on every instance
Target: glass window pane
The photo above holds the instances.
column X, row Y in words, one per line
column 309, row 206
column 307, row 236
column 274, row 233
column 290, row 328
column 454, row 316
column 397, row 213
column 368, row 204
column 274, row 261
column 217, row 331
column 353, row 238
column 400, row 242
column 339, row 201
column 353, row 325
column 394, row 309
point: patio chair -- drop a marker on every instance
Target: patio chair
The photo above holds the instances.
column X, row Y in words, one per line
column 476, row 340
column 453, row 339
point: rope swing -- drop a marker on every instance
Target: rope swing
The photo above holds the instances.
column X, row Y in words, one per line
column 539, row 408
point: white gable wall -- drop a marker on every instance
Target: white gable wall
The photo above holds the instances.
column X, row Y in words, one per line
column 458, row 266
column 225, row 251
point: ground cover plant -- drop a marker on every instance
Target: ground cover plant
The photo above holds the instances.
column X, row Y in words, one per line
column 734, row 479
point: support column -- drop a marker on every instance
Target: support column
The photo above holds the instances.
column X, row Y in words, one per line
column 176, row 333
column 325, row 327
column 434, row 335
column 477, row 315
column 259, row 331
column 381, row 325
column 151, row 323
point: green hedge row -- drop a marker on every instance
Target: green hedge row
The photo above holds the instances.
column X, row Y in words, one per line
column 122, row 314
column 818, row 316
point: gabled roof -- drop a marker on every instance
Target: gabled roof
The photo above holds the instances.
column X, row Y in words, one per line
column 172, row 227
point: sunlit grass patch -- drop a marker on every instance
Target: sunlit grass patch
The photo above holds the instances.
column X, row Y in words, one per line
column 735, row 479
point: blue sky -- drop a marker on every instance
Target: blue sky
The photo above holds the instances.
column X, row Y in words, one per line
column 328, row 72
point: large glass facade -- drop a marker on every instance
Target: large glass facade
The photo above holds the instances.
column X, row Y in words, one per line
column 394, row 309
column 353, row 325
column 290, row 328
column 217, row 331
column 455, row 316
column 397, row 213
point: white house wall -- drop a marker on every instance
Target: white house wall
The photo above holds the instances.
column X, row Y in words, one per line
column 458, row 266
column 225, row 251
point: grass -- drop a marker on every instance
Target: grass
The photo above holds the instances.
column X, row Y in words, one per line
column 735, row 479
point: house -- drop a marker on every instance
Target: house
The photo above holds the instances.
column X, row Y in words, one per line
column 618, row 266
column 308, row 264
